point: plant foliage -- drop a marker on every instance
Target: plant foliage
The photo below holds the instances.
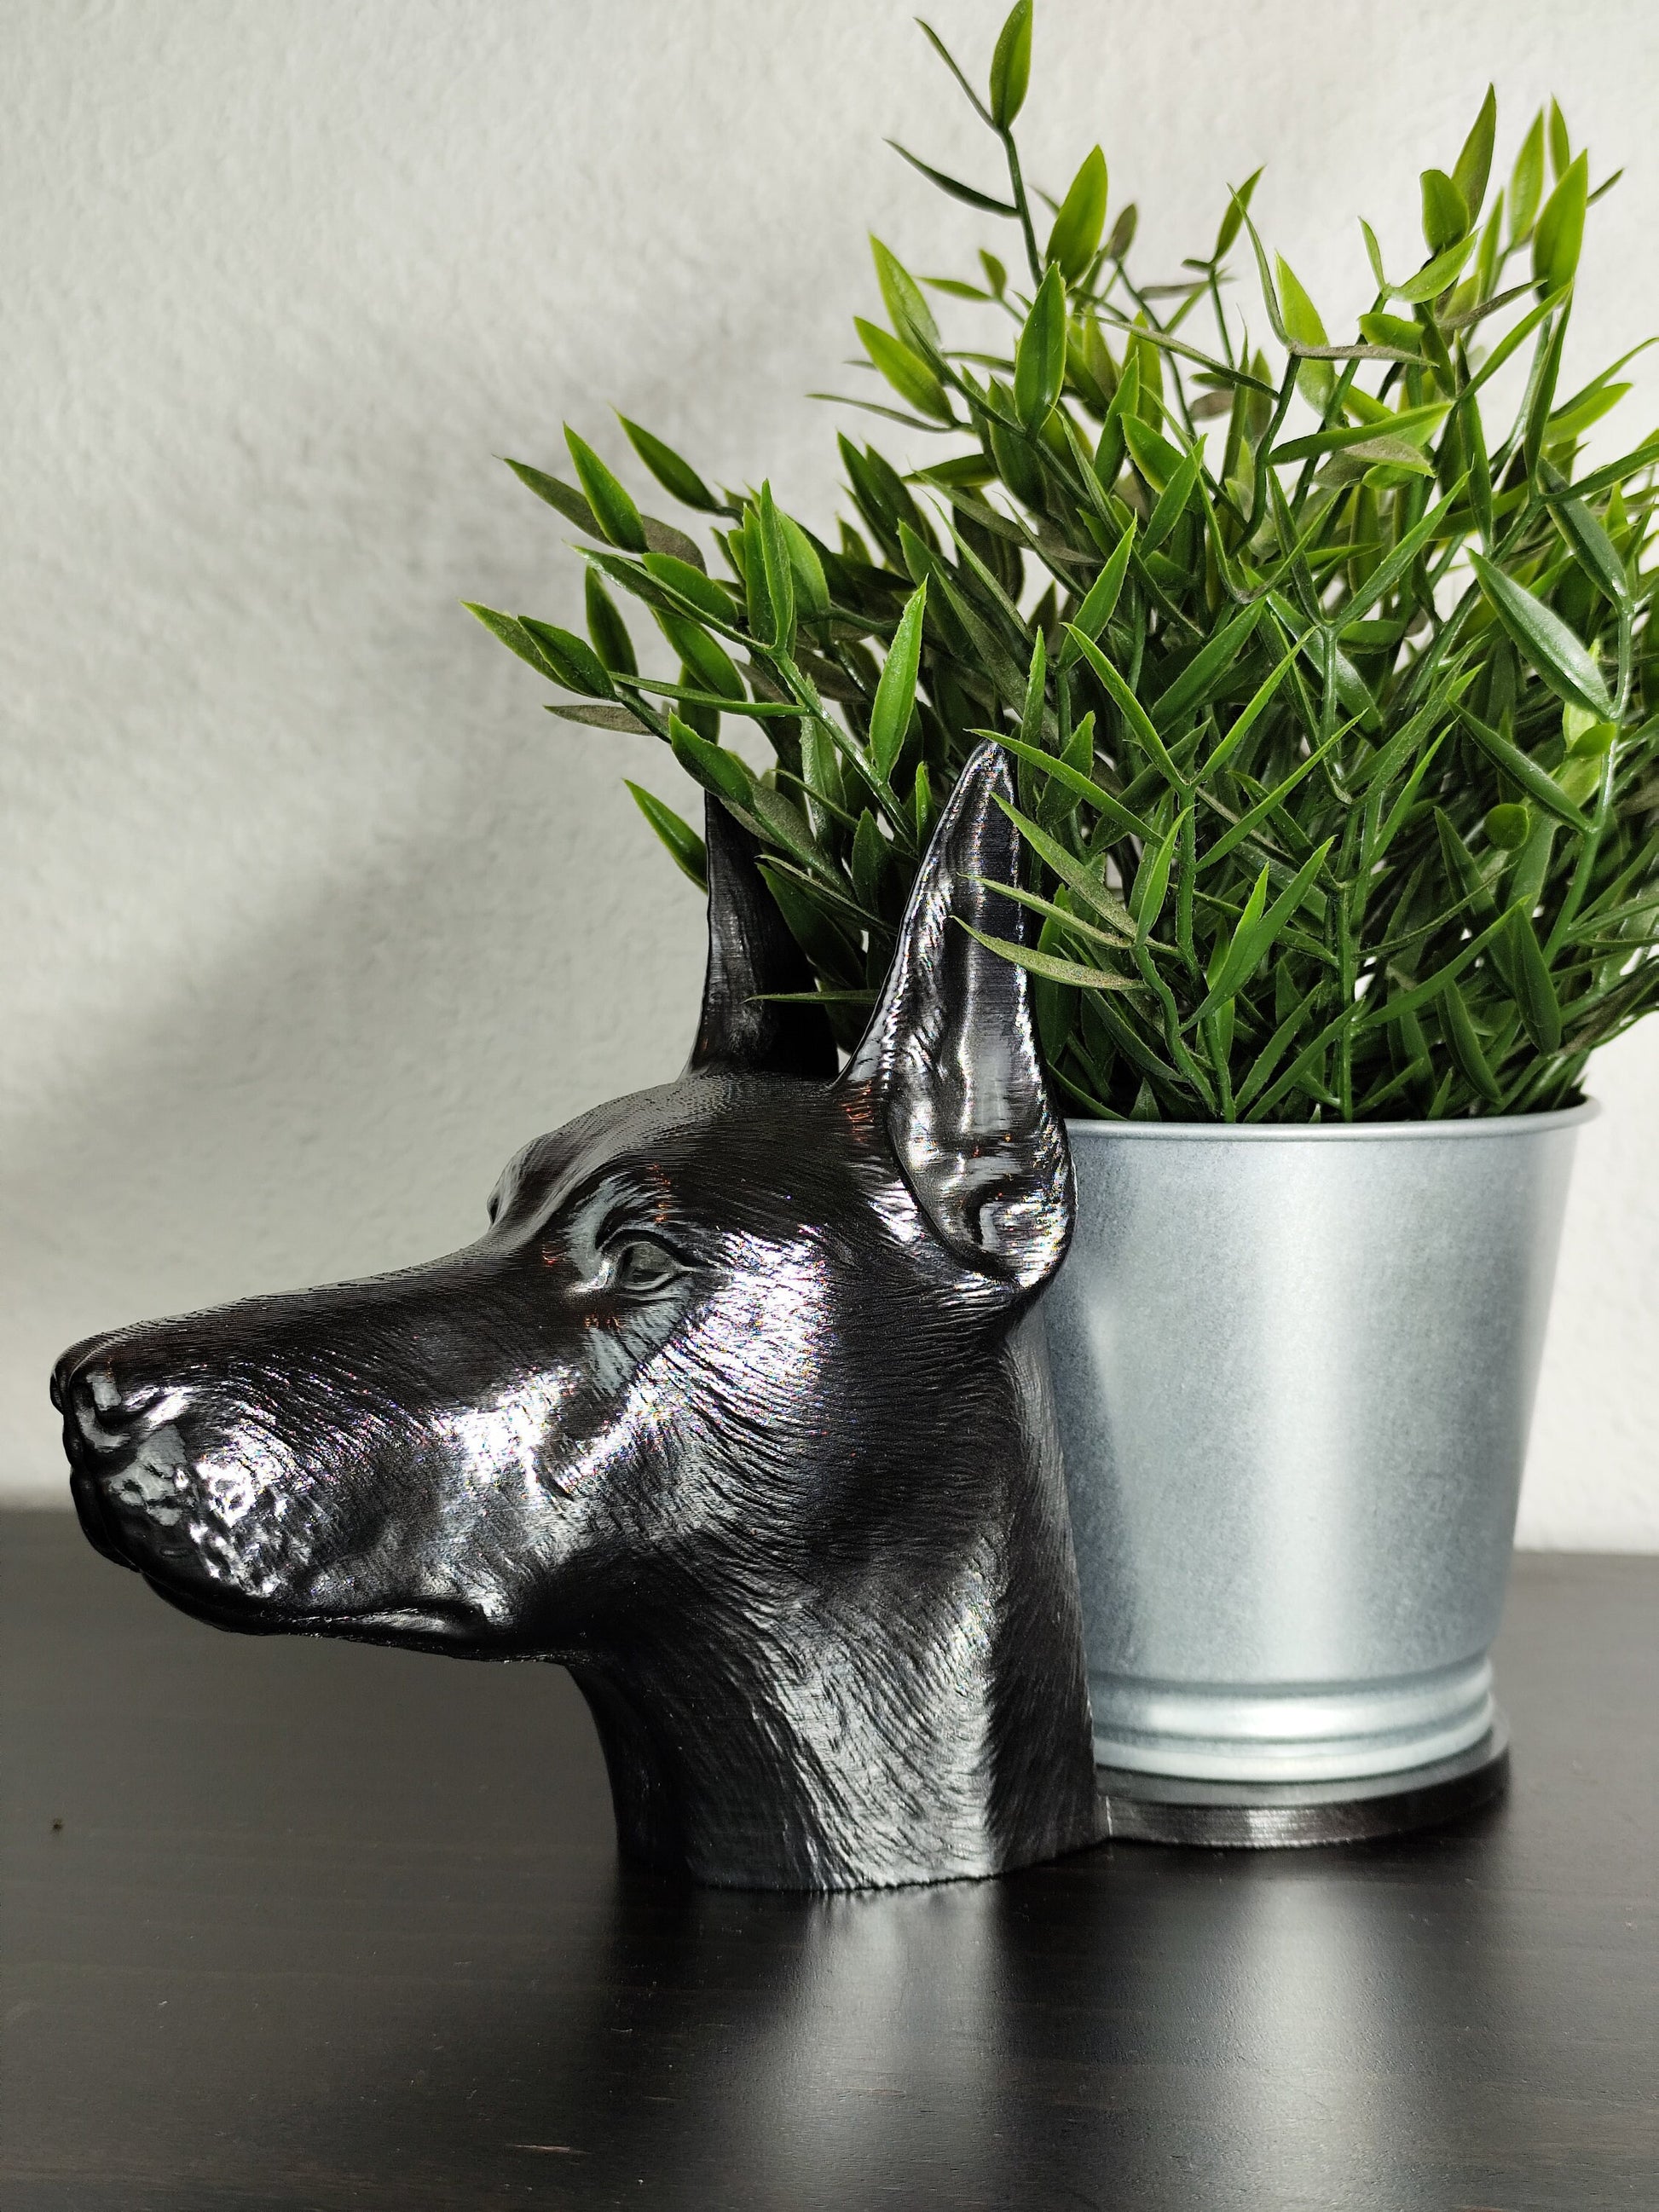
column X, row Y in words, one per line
column 1326, row 678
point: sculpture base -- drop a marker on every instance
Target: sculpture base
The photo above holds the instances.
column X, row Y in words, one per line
column 1162, row 1808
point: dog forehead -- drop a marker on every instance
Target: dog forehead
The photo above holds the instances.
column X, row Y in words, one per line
column 718, row 1143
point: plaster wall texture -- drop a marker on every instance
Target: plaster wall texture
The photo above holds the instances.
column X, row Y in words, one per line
column 310, row 915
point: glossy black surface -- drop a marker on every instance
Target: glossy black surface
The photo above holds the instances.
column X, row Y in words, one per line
column 337, row 1930
column 732, row 1409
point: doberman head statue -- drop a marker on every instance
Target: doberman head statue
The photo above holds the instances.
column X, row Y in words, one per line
column 733, row 1409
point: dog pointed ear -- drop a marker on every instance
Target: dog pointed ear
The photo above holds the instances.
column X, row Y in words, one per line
column 950, row 1054
column 750, row 951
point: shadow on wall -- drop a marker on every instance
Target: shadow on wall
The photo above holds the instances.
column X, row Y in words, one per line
column 338, row 1098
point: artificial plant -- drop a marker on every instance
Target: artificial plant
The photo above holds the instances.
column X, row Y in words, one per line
column 1336, row 766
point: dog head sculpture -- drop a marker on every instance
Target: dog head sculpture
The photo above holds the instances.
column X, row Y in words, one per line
column 732, row 1409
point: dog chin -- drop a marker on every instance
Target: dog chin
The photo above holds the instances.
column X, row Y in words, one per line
column 90, row 1512
column 425, row 1628
column 217, row 1608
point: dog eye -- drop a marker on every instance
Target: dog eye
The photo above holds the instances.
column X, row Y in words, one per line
column 639, row 1264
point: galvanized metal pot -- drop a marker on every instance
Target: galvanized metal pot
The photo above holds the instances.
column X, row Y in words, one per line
column 1294, row 1370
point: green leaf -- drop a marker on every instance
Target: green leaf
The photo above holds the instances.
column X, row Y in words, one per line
column 1227, row 956
column 1172, row 504
column 1522, row 769
column 1123, row 233
column 618, row 516
column 1124, row 819
column 1075, row 238
column 1392, row 331
column 574, row 661
column 1193, row 686
column 557, row 494
column 1126, row 400
column 677, row 478
column 601, row 717
column 895, row 694
column 957, row 190
column 692, row 585
column 1100, row 601
column 517, row 639
column 921, row 804
column 607, row 628
column 1056, row 971
column 1157, row 460
column 685, row 847
column 1473, row 165
column 1414, row 425
column 1031, row 718
column 780, row 572
column 812, row 587
column 1557, row 653
column 1129, row 706
column 1040, row 355
column 1465, row 1046
column 1435, row 276
column 1273, row 1052
column 1302, row 324
column 1252, row 713
column 869, row 861
column 1526, row 180
column 1534, row 989
column 1560, row 143
column 1374, row 255
column 1255, row 937
column 1272, row 802
column 1486, row 256
column 1382, row 578
column 1646, row 456
column 1151, row 883
column 705, row 658
column 905, row 370
column 1592, row 547
column 1237, row 202
column 1445, row 213
column 911, row 315
column 1572, row 421
column 664, row 538
column 1116, row 939
column 710, row 765
column 1084, row 879
column 1010, row 65
column 1561, row 232
column 1507, row 827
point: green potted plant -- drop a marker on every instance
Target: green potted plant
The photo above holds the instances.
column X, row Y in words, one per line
column 1326, row 667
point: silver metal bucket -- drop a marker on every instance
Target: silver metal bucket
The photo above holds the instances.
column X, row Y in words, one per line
column 1294, row 1370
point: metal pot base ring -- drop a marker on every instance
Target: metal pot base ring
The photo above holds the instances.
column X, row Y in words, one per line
column 1163, row 1808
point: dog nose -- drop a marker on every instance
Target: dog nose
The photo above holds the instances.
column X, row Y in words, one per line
column 103, row 1405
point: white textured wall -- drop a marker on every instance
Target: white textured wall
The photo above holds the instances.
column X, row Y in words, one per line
column 309, row 915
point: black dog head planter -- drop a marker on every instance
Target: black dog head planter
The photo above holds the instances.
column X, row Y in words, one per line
column 729, row 1410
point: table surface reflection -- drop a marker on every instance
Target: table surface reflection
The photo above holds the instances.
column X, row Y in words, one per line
column 310, row 1926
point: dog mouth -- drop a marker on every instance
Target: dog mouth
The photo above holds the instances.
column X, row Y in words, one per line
column 428, row 1627
column 176, row 1572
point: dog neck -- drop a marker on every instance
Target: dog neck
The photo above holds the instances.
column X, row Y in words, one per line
column 919, row 1712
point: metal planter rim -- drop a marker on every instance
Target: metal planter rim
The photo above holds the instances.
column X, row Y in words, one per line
column 1328, row 1132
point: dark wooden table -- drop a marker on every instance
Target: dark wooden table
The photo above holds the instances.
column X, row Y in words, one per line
column 304, row 1925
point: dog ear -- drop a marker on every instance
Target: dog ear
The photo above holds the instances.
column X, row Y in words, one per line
column 951, row 1053
column 751, row 951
